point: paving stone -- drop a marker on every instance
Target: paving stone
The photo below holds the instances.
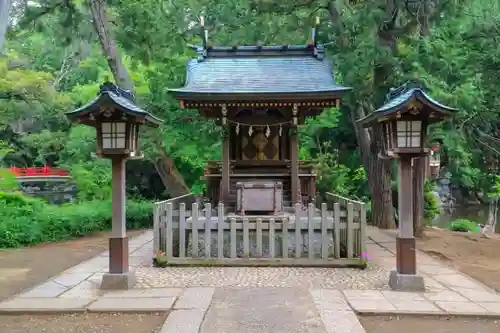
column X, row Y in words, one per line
column 493, row 307
column 363, row 295
column 71, row 279
column 480, row 296
column 96, row 278
column 371, row 305
column 446, row 296
column 183, row 321
column 461, row 308
column 458, row 280
column 432, row 285
column 162, row 292
column 347, row 322
column 402, row 296
column 408, row 306
column 330, row 300
column 131, row 304
column 85, row 289
column 251, row 310
column 45, row 304
column 130, row 293
column 435, row 270
column 48, row 289
column 195, row 298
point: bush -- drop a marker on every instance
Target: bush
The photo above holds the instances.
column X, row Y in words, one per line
column 28, row 221
column 431, row 206
column 463, row 225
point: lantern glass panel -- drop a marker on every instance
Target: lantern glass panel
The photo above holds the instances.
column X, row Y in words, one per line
column 409, row 134
column 114, row 135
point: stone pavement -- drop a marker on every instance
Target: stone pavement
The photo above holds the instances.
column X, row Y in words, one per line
column 227, row 299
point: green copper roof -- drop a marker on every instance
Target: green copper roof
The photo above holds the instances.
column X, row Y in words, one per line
column 292, row 69
column 111, row 93
column 399, row 98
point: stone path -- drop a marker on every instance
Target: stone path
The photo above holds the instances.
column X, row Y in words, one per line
column 225, row 299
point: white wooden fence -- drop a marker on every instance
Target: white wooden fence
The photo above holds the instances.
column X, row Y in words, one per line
column 307, row 237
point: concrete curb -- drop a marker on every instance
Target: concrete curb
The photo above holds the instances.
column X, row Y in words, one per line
column 427, row 314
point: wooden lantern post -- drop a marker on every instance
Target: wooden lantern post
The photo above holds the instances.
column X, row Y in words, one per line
column 403, row 121
column 116, row 119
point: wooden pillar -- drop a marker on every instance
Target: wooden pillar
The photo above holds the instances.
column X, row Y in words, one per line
column 226, row 167
column 294, row 165
column 420, row 165
column 118, row 242
column 405, row 241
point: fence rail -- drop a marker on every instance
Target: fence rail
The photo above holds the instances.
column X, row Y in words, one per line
column 307, row 237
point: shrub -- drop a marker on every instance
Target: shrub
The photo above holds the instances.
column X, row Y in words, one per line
column 463, row 225
column 28, row 221
column 431, row 206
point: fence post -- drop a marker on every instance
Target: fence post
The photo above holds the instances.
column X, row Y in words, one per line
column 350, row 229
column 183, row 240
column 310, row 231
column 362, row 228
column 156, row 229
column 324, row 232
column 208, row 230
column 336, row 227
column 220, row 231
column 194, row 231
column 169, row 230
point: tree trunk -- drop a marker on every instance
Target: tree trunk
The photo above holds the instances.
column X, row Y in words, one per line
column 108, row 45
column 379, row 173
column 5, row 6
column 170, row 176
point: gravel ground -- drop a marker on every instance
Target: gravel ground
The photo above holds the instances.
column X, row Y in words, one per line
column 374, row 277
column 408, row 324
column 83, row 323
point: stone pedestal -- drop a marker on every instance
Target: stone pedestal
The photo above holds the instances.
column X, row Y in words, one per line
column 118, row 281
column 406, row 282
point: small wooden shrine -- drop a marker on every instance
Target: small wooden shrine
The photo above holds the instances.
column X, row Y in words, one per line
column 260, row 95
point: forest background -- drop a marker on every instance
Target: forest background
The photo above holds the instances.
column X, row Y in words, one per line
column 56, row 53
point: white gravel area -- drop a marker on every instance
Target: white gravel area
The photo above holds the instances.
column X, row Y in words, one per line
column 374, row 277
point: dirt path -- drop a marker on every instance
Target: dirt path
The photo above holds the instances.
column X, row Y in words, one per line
column 84, row 323
column 24, row 268
column 469, row 253
column 408, row 324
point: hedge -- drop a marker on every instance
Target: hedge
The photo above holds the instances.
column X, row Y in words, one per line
column 28, row 221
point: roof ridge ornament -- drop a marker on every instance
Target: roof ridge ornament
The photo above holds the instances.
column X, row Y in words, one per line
column 109, row 86
column 404, row 88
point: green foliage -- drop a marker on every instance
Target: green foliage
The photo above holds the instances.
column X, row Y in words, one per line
column 56, row 64
column 431, row 201
column 463, row 225
column 431, row 206
column 28, row 221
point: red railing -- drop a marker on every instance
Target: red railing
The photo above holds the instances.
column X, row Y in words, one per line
column 44, row 171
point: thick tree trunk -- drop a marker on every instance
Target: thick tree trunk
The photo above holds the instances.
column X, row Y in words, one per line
column 5, row 6
column 108, row 45
column 379, row 173
column 170, row 176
